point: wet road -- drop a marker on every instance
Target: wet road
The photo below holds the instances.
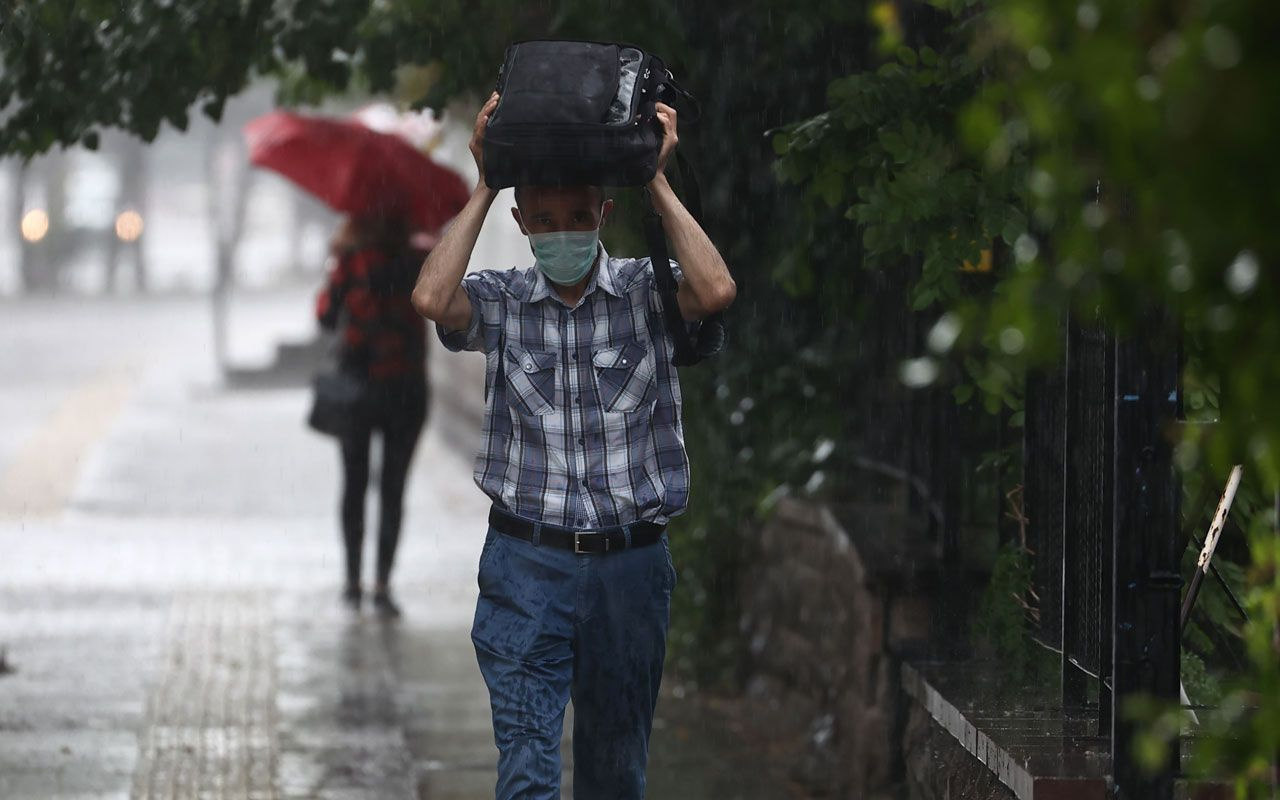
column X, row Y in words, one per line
column 169, row 568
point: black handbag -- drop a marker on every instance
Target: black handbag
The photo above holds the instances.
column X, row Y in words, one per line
column 339, row 395
column 338, row 402
column 582, row 114
column 576, row 114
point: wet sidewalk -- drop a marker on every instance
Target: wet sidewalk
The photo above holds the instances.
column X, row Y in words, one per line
column 169, row 579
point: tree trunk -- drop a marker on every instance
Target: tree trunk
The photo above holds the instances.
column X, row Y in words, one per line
column 229, row 180
column 17, row 206
column 132, row 196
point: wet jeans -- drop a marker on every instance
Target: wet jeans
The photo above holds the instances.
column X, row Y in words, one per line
column 551, row 626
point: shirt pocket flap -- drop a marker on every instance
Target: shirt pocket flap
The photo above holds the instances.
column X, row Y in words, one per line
column 625, row 356
column 531, row 361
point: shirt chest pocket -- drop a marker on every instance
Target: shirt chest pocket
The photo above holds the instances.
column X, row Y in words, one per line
column 531, row 381
column 625, row 376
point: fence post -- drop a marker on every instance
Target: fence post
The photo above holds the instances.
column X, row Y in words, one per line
column 1087, row 502
column 1146, row 579
column 1044, row 442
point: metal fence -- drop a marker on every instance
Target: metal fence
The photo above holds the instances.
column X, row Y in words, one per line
column 1102, row 500
column 1099, row 500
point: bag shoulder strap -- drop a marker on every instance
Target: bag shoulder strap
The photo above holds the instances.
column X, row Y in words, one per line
column 711, row 332
column 666, row 282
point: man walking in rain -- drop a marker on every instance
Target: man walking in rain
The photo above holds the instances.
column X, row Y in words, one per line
column 584, row 459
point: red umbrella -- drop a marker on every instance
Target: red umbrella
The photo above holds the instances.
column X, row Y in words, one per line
column 356, row 169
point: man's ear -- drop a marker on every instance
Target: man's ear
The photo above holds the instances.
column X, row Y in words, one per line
column 515, row 214
column 606, row 211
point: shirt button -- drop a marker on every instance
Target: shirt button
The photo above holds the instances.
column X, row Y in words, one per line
column 581, row 440
column 585, row 482
column 578, row 400
column 575, row 356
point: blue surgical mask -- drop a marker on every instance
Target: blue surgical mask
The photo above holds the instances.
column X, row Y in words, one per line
column 565, row 257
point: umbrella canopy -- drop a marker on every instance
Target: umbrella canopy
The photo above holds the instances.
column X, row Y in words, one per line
column 355, row 169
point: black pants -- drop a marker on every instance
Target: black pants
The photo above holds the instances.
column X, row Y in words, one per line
column 397, row 409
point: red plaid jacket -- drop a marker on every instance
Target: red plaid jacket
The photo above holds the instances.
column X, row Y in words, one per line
column 367, row 294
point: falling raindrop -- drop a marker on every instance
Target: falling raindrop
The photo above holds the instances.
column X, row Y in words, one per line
column 1148, row 88
column 1094, row 215
column 1087, row 16
column 1039, row 58
column 1025, row 249
column 815, row 481
column 943, row 334
column 1221, row 47
column 1180, row 277
column 1041, row 183
column 917, row 373
column 1242, row 275
column 1012, row 341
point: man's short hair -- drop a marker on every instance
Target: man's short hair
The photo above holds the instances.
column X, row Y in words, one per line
column 523, row 191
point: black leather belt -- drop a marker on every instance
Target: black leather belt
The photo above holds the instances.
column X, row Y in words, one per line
column 599, row 540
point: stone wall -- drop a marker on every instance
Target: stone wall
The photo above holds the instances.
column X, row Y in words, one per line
column 938, row 768
column 829, row 610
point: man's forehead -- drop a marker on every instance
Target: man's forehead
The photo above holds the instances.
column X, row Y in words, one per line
column 570, row 198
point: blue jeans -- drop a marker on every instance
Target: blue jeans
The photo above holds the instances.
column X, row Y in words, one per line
column 551, row 626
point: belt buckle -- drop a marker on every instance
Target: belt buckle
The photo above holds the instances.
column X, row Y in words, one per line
column 577, row 542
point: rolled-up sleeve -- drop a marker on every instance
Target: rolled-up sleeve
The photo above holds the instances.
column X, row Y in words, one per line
column 486, row 291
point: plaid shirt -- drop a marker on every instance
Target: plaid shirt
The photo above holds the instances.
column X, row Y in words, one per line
column 582, row 418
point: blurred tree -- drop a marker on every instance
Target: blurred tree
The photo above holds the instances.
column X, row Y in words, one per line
column 1122, row 153
column 69, row 68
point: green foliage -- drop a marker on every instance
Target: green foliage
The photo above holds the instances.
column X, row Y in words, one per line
column 1240, row 738
column 1121, row 151
column 885, row 154
column 69, row 69
column 1203, row 687
column 999, row 627
column 1145, row 131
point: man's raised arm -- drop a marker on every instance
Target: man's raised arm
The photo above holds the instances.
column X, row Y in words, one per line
column 708, row 287
column 438, row 294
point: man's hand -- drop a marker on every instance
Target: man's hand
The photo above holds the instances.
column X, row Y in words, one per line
column 667, row 118
column 477, row 135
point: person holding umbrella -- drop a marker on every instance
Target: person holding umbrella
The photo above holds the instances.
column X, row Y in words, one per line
column 382, row 342
column 392, row 193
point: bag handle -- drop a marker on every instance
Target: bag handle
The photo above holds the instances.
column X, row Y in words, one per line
column 669, row 82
